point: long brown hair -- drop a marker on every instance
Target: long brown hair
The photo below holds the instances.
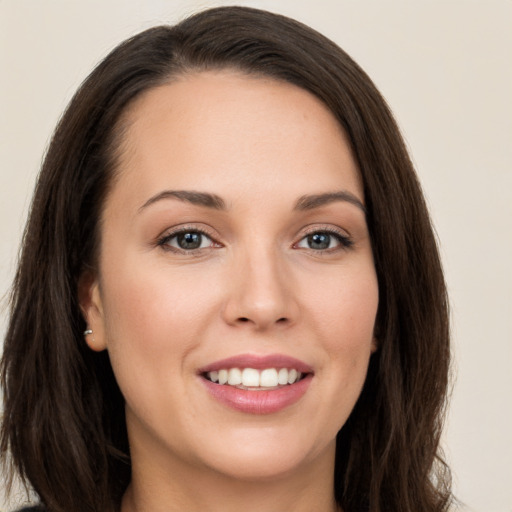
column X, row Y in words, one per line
column 63, row 423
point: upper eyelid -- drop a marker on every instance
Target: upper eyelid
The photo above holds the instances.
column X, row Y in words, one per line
column 164, row 239
column 329, row 228
column 176, row 230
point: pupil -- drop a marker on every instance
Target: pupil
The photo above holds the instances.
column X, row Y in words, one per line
column 319, row 241
column 189, row 240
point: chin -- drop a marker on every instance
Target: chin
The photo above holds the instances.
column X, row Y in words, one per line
column 266, row 459
column 259, row 468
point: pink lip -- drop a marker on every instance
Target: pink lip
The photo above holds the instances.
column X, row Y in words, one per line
column 258, row 362
column 258, row 402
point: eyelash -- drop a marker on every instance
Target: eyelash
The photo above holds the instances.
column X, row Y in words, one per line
column 345, row 242
column 163, row 241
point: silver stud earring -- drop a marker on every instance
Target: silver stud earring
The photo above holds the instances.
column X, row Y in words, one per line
column 87, row 331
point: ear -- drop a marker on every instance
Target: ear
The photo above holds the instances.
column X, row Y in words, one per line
column 89, row 298
column 375, row 345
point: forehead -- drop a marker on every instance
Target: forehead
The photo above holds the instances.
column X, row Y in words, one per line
column 223, row 125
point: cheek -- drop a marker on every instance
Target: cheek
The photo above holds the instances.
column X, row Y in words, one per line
column 152, row 298
column 345, row 308
column 345, row 315
column 152, row 321
column 153, row 318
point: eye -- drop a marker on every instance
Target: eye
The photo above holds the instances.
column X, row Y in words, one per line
column 323, row 241
column 187, row 240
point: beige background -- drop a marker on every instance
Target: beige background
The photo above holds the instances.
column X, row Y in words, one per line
column 445, row 68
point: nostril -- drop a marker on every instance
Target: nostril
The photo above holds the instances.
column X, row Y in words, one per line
column 279, row 320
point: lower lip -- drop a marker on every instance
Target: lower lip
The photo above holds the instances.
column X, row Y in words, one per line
column 258, row 402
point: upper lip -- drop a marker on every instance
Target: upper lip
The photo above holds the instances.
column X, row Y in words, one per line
column 258, row 362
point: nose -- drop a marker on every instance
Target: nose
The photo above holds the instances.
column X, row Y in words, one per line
column 260, row 292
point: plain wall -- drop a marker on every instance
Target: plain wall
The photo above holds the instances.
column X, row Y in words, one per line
column 444, row 67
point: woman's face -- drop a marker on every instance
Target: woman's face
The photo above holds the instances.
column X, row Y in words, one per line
column 234, row 246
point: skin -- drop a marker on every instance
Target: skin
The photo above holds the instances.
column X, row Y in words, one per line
column 255, row 287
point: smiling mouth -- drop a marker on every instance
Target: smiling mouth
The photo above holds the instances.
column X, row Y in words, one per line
column 252, row 379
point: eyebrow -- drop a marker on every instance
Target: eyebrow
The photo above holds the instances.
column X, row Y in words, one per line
column 197, row 198
column 306, row 202
column 309, row 202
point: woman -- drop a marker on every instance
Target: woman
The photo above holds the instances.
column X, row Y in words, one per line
column 229, row 293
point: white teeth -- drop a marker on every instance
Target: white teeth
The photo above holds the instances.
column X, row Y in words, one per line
column 223, row 376
column 252, row 378
column 282, row 376
column 268, row 378
column 234, row 377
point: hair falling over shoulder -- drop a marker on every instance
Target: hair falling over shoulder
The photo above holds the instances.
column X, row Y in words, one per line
column 63, row 427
